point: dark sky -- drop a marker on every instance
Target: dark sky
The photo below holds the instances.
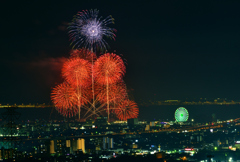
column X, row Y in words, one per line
column 174, row 49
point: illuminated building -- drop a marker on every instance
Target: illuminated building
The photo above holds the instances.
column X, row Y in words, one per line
column 7, row 153
column 104, row 142
column 237, row 144
column 81, row 144
column 152, row 124
column 74, row 145
column 107, row 142
column 110, row 143
column 147, row 128
column 134, row 146
column 51, row 147
column 68, row 146
column 78, row 144
column 59, row 146
column 42, row 148
column 68, row 143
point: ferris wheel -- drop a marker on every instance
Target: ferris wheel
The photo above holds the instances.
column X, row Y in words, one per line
column 181, row 114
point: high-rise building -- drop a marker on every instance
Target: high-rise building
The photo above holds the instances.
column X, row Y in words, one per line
column 68, row 143
column 107, row 143
column 42, row 149
column 104, row 142
column 81, row 144
column 59, row 146
column 68, row 147
column 74, row 145
column 51, row 147
column 110, row 143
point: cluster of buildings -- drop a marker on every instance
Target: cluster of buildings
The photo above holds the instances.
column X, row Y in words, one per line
column 102, row 140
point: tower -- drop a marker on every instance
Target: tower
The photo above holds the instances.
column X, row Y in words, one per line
column 9, row 128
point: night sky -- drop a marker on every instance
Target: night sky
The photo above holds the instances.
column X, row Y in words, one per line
column 173, row 49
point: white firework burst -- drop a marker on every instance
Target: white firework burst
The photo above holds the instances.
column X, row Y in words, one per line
column 88, row 31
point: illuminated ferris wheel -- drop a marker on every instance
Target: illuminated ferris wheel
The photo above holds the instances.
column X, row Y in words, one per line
column 181, row 114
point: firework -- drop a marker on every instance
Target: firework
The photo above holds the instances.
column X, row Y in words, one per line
column 77, row 71
column 83, row 54
column 88, row 30
column 117, row 93
column 109, row 68
column 64, row 99
column 127, row 110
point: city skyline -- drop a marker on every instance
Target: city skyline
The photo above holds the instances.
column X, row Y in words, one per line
column 163, row 86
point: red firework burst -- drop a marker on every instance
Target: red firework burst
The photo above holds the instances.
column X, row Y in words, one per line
column 117, row 93
column 77, row 71
column 127, row 110
column 109, row 68
column 64, row 99
column 83, row 54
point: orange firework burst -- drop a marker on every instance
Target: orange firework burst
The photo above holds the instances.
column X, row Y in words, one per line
column 93, row 85
column 83, row 54
column 109, row 68
column 117, row 93
column 64, row 99
column 127, row 110
column 77, row 71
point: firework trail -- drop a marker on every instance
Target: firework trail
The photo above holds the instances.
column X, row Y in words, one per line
column 87, row 30
column 94, row 84
column 91, row 57
column 77, row 72
column 108, row 69
column 117, row 93
column 127, row 110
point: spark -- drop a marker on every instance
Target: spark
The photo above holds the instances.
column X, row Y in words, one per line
column 88, row 30
column 64, row 99
column 77, row 71
column 127, row 110
column 109, row 68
